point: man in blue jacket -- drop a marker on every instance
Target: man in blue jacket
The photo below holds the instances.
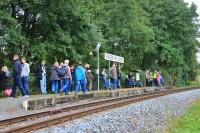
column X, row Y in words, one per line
column 81, row 79
column 17, row 69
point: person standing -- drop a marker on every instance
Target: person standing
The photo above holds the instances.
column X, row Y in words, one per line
column 90, row 79
column 81, row 79
column 42, row 77
column 155, row 78
column 147, row 75
column 119, row 75
column 17, row 81
column 25, row 76
column 66, row 77
column 4, row 75
column 55, row 77
column 72, row 83
column 151, row 79
column 104, row 77
column 113, row 76
column 87, row 67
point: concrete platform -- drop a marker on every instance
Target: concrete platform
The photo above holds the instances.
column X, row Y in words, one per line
column 39, row 102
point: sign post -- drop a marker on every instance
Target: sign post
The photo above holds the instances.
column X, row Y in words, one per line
column 97, row 50
column 114, row 58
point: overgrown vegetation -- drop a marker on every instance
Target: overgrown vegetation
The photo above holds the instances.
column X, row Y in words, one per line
column 151, row 34
column 189, row 122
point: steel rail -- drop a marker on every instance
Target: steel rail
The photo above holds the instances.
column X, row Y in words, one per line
column 83, row 110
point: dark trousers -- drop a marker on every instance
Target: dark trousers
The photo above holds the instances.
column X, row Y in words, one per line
column 155, row 82
column 147, row 82
column 25, row 83
column 17, row 83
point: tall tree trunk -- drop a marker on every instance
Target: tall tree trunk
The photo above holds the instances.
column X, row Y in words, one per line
column 25, row 19
column 13, row 14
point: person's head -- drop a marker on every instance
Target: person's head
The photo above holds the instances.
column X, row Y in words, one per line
column 23, row 60
column 87, row 66
column 61, row 63
column 56, row 64
column 15, row 57
column 43, row 62
column 4, row 68
column 80, row 63
column 66, row 62
column 72, row 67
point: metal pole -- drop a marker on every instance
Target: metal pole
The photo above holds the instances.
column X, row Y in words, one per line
column 98, row 67
column 109, row 75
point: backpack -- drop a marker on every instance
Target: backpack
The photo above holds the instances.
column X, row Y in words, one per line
column 62, row 71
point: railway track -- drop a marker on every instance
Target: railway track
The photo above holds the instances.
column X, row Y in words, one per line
column 44, row 119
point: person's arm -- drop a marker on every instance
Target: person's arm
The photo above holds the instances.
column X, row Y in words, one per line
column 18, row 68
column 28, row 68
column 84, row 74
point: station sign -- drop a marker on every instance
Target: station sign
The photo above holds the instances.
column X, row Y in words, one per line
column 114, row 58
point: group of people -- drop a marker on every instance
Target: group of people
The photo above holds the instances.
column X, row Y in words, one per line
column 65, row 78
column 154, row 78
column 20, row 74
column 112, row 78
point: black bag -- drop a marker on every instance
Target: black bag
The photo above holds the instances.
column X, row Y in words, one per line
column 62, row 71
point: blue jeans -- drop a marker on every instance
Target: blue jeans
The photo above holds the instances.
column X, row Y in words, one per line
column 65, row 85
column 72, row 85
column 43, row 85
column 25, row 83
column 113, row 83
column 118, row 83
column 54, row 86
column 17, row 83
column 81, row 84
column 105, row 82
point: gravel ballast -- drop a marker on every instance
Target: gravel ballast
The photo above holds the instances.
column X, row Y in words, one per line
column 146, row 116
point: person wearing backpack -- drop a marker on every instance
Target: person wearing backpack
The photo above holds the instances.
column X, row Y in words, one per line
column 65, row 76
column 55, row 77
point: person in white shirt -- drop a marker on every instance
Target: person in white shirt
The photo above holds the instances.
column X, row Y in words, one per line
column 25, row 76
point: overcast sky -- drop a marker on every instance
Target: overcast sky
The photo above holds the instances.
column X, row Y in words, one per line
column 197, row 2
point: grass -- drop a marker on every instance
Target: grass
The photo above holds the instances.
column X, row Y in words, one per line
column 187, row 123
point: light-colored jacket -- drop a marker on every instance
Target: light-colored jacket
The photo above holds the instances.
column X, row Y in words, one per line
column 25, row 70
column 113, row 73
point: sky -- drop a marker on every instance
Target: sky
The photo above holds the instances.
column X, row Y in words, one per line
column 197, row 2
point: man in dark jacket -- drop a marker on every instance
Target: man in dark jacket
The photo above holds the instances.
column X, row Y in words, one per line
column 17, row 82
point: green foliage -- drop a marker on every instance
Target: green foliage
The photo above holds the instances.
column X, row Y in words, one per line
column 189, row 122
column 151, row 34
